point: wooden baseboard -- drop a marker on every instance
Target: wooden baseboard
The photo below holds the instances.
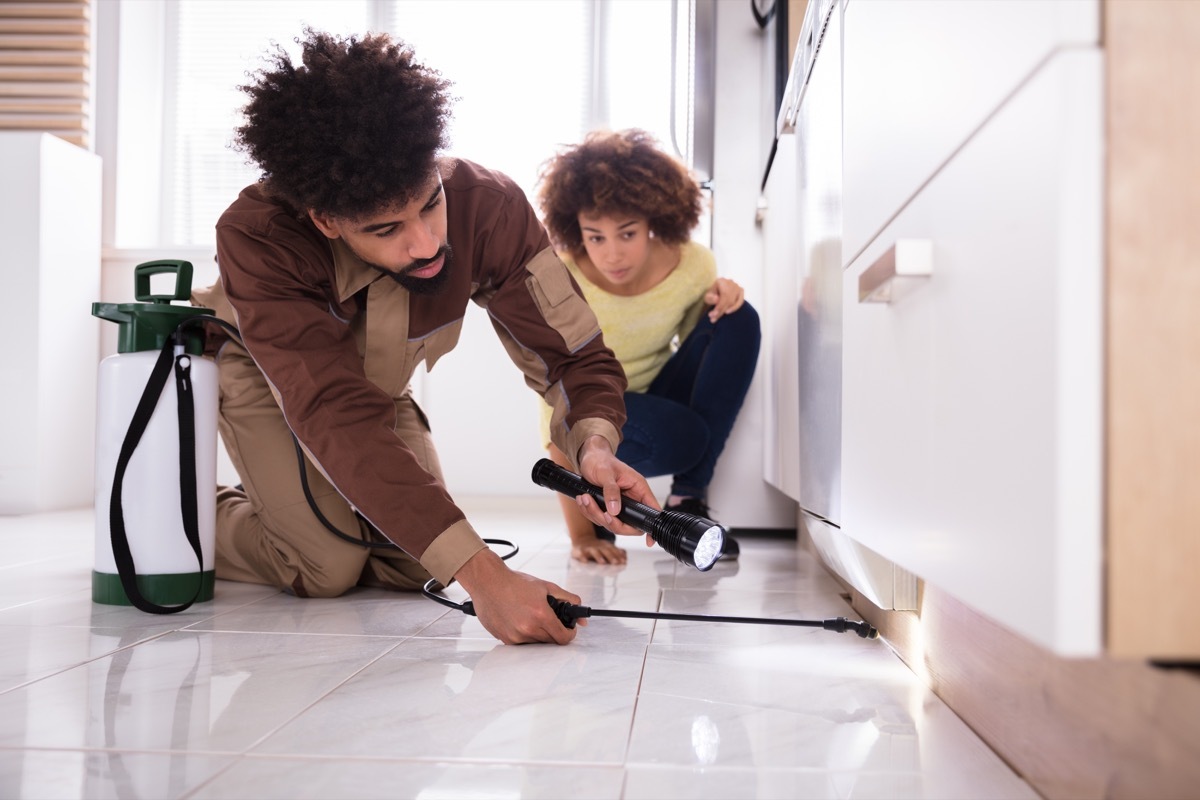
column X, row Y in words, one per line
column 1072, row 728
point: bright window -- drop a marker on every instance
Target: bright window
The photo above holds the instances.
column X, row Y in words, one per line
column 523, row 71
column 212, row 57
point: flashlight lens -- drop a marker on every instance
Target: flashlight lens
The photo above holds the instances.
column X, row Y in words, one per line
column 708, row 549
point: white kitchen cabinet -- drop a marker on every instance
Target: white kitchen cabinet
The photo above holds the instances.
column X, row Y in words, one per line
column 780, row 354
column 1019, row 419
column 972, row 401
column 819, row 265
column 921, row 76
column 803, row 230
column 1017, row 424
column 801, row 219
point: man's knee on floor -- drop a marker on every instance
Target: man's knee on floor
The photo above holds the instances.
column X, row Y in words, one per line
column 331, row 579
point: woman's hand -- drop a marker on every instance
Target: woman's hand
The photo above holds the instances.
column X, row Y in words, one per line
column 725, row 297
column 597, row 551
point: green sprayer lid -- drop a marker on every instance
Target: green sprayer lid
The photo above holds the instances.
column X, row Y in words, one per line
column 148, row 325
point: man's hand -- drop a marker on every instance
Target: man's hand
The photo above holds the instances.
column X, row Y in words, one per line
column 511, row 605
column 600, row 467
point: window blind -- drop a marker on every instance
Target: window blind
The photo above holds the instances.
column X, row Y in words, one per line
column 45, row 68
column 208, row 59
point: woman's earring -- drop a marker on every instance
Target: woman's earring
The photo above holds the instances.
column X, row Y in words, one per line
column 651, row 234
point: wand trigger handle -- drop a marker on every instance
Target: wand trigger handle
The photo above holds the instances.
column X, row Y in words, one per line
column 566, row 612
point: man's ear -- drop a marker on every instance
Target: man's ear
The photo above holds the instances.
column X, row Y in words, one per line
column 326, row 224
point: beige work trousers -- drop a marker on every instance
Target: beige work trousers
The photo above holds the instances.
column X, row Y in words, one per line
column 267, row 532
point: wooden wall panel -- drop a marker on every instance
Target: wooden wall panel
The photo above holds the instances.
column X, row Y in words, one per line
column 1153, row 328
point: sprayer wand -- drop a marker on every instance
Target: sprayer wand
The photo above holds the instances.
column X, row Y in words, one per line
column 569, row 612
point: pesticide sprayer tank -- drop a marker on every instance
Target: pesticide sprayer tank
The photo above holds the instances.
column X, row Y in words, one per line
column 166, row 565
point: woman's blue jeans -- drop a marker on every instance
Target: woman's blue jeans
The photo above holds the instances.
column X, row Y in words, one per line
column 679, row 426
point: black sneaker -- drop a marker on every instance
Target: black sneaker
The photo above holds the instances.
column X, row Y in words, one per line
column 604, row 534
column 697, row 507
column 690, row 505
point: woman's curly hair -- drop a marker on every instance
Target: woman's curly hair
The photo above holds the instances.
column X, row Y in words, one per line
column 617, row 172
column 358, row 126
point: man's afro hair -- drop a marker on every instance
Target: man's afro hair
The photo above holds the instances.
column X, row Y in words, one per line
column 357, row 127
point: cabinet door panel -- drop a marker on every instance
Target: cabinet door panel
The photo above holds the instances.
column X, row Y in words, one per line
column 781, row 382
column 972, row 401
column 922, row 75
column 819, row 242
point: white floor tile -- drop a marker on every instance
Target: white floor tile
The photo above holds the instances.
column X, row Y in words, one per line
column 653, row 783
column 480, row 700
column 312, row 779
column 379, row 694
column 103, row 774
column 76, row 609
column 183, row 691
column 360, row 612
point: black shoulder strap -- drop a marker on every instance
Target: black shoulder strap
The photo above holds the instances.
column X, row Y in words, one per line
column 187, row 474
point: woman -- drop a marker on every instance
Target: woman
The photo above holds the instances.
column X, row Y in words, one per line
column 621, row 212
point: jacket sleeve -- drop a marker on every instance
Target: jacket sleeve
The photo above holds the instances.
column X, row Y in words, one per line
column 552, row 335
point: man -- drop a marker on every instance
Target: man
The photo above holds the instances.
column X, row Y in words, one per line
column 348, row 264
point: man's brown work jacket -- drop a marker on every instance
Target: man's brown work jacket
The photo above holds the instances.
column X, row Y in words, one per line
column 338, row 341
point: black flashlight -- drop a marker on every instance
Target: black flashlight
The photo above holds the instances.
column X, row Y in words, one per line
column 695, row 541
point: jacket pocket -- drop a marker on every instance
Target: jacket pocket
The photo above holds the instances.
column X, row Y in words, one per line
column 560, row 304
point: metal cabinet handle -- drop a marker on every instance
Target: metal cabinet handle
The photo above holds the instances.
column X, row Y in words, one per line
column 907, row 258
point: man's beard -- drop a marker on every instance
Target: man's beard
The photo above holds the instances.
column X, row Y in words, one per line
column 419, row 285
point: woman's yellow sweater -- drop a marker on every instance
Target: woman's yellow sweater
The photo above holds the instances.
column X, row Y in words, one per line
column 644, row 330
